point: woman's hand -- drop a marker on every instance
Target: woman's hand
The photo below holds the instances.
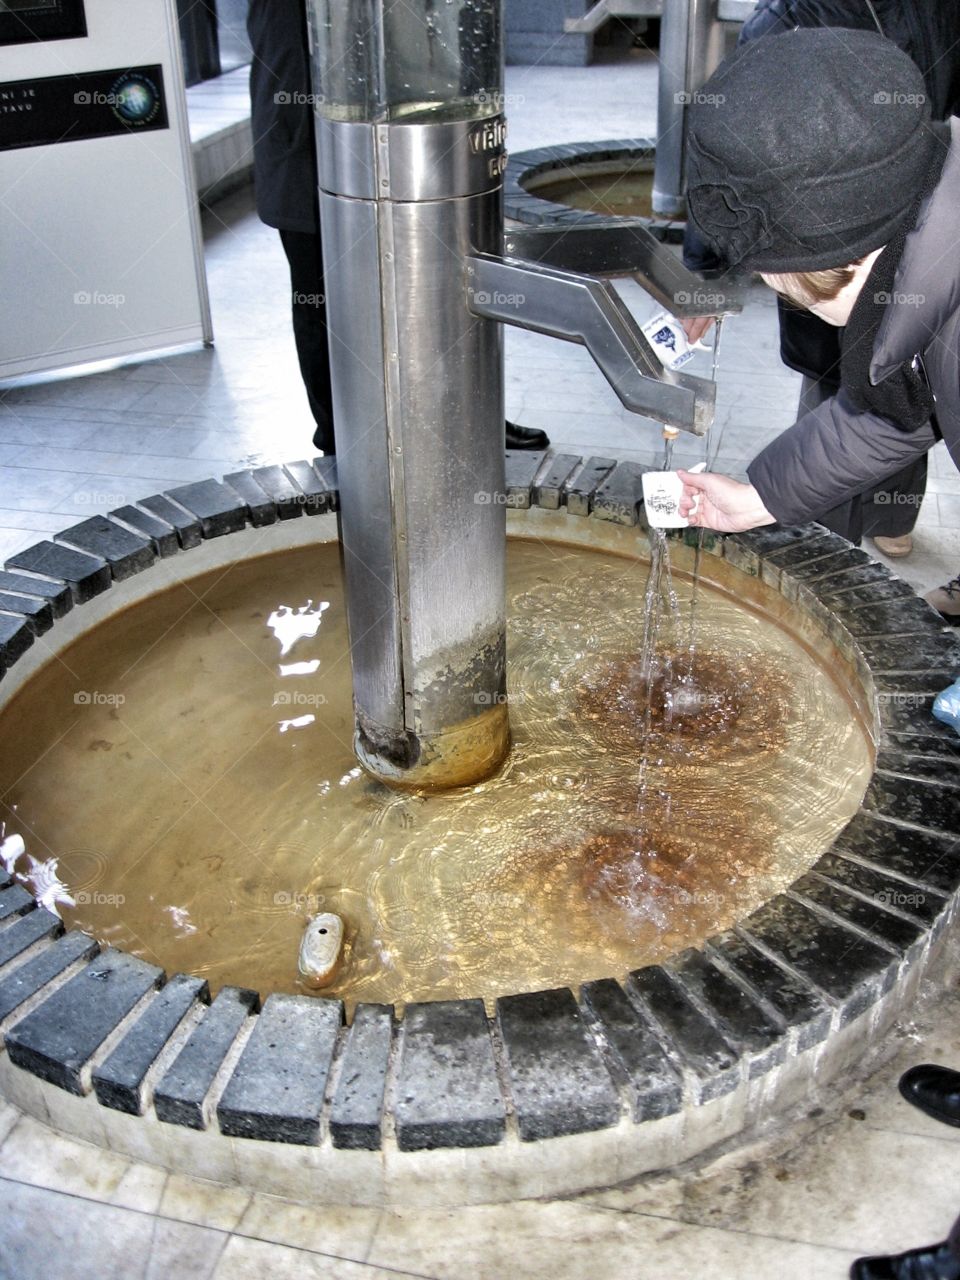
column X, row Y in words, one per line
column 724, row 504
column 696, row 326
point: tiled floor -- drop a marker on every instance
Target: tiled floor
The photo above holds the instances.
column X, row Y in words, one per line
column 863, row 1172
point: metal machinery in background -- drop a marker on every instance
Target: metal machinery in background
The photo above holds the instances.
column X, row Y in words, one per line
column 410, row 138
column 692, row 44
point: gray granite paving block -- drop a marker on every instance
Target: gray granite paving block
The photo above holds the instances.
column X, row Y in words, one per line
column 278, row 486
column 276, row 1090
column 911, row 713
column 585, row 483
column 882, row 591
column 57, row 1038
column 916, row 764
column 85, row 575
column 15, row 901
column 656, row 1088
column 356, row 1113
column 786, row 559
column 447, row 1091
column 887, row 617
column 920, row 857
column 907, row 683
column 747, row 550
column 845, row 966
column 57, row 594
column 217, row 507
column 280, row 489
column 316, row 497
column 923, row 804
column 620, row 495
column 695, row 1038
column 326, row 469
column 911, row 653
column 557, row 1075
column 892, row 931
column 941, row 751
column 179, row 1094
column 861, row 575
column 825, row 566
column 38, row 613
column 881, row 887
column 23, row 933
column 796, row 1001
column 742, row 1020
column 261, row 508
column 118, row 1080
column 549, row 491
column 16, row 637
column 187, row 526
column 522, row 466
column 126, row 553
column 35, row 973
column 161, row 534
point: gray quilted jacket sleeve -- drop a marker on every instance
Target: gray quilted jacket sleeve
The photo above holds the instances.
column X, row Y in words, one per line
column 828, row 456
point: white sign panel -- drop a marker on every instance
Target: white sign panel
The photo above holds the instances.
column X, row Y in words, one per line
column 100, row 247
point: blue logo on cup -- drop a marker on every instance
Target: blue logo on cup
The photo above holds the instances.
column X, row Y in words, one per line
column 666, row 337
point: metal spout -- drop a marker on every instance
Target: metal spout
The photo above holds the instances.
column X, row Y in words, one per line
column 583, row 309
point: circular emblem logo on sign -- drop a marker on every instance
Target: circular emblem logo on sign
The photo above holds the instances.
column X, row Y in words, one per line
column 136, row 99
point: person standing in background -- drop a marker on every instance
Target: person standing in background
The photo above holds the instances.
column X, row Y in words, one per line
column 285, row 183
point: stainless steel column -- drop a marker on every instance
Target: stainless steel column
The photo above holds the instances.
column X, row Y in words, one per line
column 691, row 47
column 411, row 156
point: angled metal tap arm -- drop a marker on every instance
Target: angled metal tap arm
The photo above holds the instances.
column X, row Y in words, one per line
column 580, row 308
column 627, row 250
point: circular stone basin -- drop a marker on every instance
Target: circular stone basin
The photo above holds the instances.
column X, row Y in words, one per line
column 587, row 183
column 217, row 718
column 589, row 1078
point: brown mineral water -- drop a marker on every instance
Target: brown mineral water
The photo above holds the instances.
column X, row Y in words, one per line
column 190, row 763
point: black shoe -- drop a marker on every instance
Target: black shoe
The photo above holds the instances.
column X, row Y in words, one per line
column 935, row 1090
column 525, row 437
column 935, row 1262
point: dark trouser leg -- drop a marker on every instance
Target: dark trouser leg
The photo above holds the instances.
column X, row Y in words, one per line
column 953, row 1239
column 889, row 509
column 305, row 257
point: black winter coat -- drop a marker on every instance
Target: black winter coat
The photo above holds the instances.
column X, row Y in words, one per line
column 836, row 451
column 284, row 158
